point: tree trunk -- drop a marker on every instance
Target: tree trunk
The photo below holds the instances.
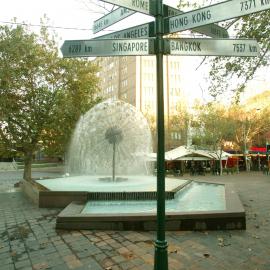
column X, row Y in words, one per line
column 27, row 173
column 220, row 167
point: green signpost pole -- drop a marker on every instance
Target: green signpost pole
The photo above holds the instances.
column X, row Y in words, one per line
column 161, row 253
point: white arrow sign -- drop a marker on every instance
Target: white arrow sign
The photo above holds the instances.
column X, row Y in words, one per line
column 214, row 13
column 142, row 6
column 140, row 31
column 109, row 47
column 211, row 30
column 211, row 47
column 111, row 18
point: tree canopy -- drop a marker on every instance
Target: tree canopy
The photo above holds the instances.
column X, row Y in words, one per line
column 238, row 71
column 231, row 74
column 41, row 94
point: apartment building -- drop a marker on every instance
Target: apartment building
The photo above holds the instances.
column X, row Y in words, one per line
column 133, row 80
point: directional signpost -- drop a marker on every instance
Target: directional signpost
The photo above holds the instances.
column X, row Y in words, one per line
column 141, row 31
column 148, row 29
column 211, row 47
column 211, row 30
column 90, row 48
column 111, row 18
column 137, row 41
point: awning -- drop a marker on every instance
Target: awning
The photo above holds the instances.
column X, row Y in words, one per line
column 185, row 153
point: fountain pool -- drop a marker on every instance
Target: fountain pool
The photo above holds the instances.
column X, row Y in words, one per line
column 190, row 205
column 110, row 186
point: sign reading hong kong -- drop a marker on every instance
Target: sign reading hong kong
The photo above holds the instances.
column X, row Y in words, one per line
column 211, row 30
column 110, row 47
column 214, row 13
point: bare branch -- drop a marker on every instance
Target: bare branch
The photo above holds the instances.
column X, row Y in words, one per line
column 201, row 63
column 257, row 65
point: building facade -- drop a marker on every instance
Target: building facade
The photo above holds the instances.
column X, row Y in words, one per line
column 133, row 80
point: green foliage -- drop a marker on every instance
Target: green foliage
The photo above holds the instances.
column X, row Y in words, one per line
column 225, row 70
column 214, row 127
column 41, row 95
column 231, row 74
column 251, row 125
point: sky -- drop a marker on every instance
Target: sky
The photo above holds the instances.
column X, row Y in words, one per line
column 66, row 13
column 77, row 16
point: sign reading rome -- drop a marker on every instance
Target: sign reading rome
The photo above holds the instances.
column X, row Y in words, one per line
column 109, row 47
column 143, row 6
column 214, row 13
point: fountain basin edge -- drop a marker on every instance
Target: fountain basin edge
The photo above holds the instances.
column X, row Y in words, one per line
column 231, row 218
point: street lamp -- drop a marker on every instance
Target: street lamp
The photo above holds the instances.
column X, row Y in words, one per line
column 245, row 144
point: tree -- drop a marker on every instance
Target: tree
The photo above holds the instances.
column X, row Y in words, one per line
column 250, row 123
column 231, row 74
column 179, row 124
column 214, row 129
column 41, row 94
column 224, row 71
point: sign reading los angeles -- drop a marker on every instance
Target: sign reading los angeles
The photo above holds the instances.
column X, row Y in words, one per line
column 140, row 31
column 110, row 47
column 211, row 47
column 143, row 6
column 214, row 13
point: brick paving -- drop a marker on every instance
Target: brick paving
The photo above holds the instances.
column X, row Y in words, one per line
column 28, row 239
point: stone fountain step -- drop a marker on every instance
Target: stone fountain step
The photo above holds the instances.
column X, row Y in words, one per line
column 122, row 196
column 79, row 215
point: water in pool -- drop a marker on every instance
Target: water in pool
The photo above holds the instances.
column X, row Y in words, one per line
column 195, row 196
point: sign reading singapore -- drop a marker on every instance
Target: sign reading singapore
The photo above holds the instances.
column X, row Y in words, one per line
column 110, row 47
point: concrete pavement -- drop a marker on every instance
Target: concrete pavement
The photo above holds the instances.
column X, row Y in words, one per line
column 28, row 239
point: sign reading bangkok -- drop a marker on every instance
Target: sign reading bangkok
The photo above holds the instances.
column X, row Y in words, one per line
column 211, row 47
column 110, row 47
column 214, row 13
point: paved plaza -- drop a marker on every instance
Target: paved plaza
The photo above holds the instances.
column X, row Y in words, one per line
column 28, row 239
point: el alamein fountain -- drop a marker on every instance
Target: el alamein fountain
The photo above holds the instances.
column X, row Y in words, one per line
column 111, row 183
column 112, row 138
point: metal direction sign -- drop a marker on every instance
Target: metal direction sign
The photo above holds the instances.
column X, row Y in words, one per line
column 211, row 30
column 110, row 47
column 143, row 6
column 140, row 31
column 111, row 18
column 214, row 13
column 211, row 47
